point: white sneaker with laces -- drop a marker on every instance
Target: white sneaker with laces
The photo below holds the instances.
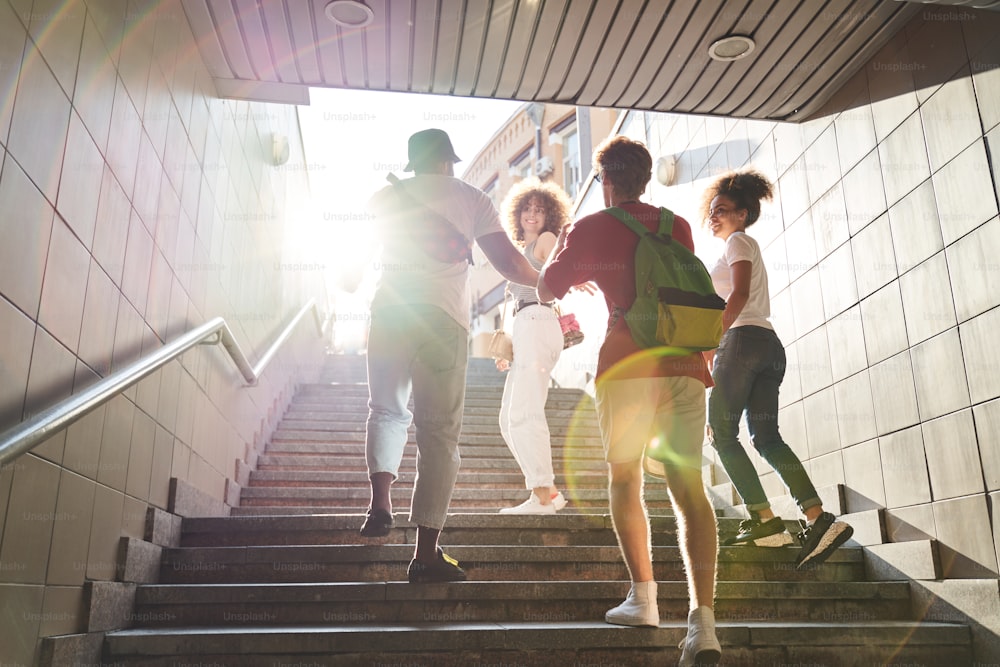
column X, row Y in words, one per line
column 559, row 501
column 701, row 647
column 530, row 506
column 639, row 608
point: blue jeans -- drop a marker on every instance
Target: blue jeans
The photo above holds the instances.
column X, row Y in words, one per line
column 424, row 350
column 749, row 367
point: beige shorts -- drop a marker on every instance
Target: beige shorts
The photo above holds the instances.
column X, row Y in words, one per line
column 662, row 418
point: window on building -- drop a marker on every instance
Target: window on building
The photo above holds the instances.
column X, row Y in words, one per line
column 571, row 167
column 492, row 191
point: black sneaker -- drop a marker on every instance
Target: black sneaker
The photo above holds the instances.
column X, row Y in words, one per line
column 445, row 568
column 821, row 539
column 378, row 523
column 770, row 533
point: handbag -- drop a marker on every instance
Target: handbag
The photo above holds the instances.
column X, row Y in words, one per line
column 572, row 335
column 501, row 344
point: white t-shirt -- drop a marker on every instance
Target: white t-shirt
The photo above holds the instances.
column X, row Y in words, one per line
column 405, row 281
column 741, row 248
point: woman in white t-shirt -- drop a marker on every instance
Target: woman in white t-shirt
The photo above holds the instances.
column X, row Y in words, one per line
column 748, row 368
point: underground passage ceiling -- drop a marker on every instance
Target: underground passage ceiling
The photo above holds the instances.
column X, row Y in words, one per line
column 772, row 59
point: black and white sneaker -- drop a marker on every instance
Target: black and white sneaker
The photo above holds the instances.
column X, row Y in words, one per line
column 753, row 531
column 821, row 539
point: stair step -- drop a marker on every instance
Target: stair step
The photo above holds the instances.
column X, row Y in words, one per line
column 388, row 562
column 530, row 643
column 477, row 601
column 563, row 529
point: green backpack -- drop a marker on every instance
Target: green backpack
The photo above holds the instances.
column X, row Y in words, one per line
column 675, row 302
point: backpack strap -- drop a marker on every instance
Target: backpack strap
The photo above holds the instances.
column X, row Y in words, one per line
column 666, row 221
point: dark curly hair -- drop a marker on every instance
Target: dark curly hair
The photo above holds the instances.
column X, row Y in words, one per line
column 745, row 188
column 553, row 199
column 625, row 163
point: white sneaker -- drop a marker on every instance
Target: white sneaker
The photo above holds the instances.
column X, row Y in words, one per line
column 639, row 608
column 559, row 501
column 700, row 648
column 530, row 506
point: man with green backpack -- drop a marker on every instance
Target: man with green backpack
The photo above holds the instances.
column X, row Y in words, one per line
column 651, row 378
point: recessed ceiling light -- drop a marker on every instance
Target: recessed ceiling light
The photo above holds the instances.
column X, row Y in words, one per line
column 349, row 13
column 731, row 47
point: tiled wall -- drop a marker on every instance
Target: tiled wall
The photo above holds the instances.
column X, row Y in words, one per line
column 883, row 253
column 134, row 205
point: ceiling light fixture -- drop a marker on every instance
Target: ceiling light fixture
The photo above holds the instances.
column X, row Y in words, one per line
column 349, row 13
column 731, row 47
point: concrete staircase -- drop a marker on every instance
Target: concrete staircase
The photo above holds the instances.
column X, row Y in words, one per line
column 287, row 579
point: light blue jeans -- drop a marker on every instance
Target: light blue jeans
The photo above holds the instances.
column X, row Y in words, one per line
column 420, row 349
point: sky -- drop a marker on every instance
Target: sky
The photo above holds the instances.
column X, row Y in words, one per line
column 353, row 139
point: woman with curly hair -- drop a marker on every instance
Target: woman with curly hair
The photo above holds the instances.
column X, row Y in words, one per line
column 534, row 213
column 748, row 368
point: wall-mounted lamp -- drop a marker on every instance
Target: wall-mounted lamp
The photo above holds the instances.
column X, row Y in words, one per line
column 349, row 13
column 666, row 170
column 279, row 149
column 731, row 47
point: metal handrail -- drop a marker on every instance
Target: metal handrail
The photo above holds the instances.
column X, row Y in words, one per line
column 31, row 433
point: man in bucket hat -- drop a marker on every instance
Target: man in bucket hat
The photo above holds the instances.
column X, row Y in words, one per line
column 418, row 338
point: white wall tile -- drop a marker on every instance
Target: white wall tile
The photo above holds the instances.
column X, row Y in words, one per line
column 855, row 409
column 822, row 163
column 836, row 273
column 894, row 394
column 100, row 310
column 815, row 369
column 807, row 302
column 822, row 423
column 138, row 260
column 855, row 133
column 890, row 83
column 80, row 185
column 111, row 232
column 12, row 38
column 57, row 29
column 94, row 95
column 974, row 267
column 65, row 286
column 830, row 221
column 800, row 246
column 846, row 335
column 987, row 420
column 979, row 350
column 986, row 80
column 794, row 185
column 916, row 231
column 964, row 192
column 939, row 375
column 123, row 142
column 791, row 386
column 864, row 192
column 951, row 120
column 865, row 488
column 904, row 468
column 27, row 228
column 17, row 332
column 952, row 456
column 885, row 328
column 903, row 156
column 874, row 257
column 928, row 307
column 965, row 538
column 39, row 125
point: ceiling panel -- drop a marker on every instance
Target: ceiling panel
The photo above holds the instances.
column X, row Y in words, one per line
column 640, row 54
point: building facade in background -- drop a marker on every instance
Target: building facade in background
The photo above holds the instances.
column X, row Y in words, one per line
column 552, row 142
